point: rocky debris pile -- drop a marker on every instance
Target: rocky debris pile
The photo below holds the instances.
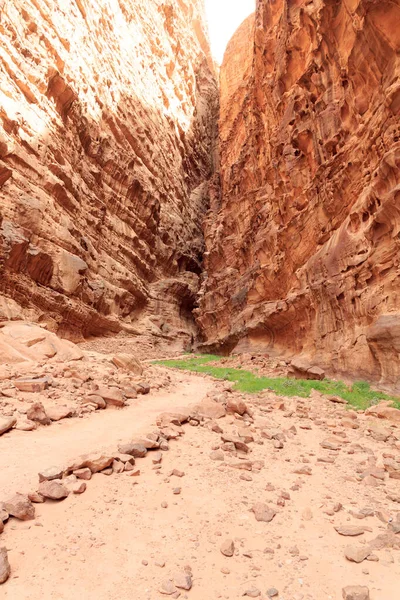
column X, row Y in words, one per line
column 64, row 382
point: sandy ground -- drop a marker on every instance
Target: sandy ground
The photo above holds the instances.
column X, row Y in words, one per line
column 116, row 541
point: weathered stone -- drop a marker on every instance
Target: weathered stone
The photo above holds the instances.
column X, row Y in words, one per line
column 227, row 548
column 56, row 413
column 137, row 450
column 36, row 497
column 355, row 592
column 351, row 530
column 6, row 423
column 263, row 512
column 20, row 507
column 357, row 553
column 128, row 362
column 168, row 588
column 94, row 462
column 183, row 581
column 111, row 395
column 30, row 384
column 54, row 489
column 50, row 473
column 36, row 412
column 5, row 569
column 210, row 409
column 177, row 418
column 236, row 405
column 84, row 473
column 217, row 455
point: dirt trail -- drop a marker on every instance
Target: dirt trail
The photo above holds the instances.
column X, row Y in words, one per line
column 23, row 454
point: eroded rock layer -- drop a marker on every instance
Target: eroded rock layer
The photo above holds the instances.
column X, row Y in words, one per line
column 106, row 130
column 303, row 247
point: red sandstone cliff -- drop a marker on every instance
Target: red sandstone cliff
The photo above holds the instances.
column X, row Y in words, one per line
column 303, row 248
column 107, row 112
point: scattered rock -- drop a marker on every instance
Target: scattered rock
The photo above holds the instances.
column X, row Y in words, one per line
column 355, row 592
column 6, row 424
column 357, row 553
column 168, row 588
column 272, row 592
column 30, row 384
column 210, row 409
column 111, row 395
column 54, row 489
column 56, row 413
column 217, row 455
column 227, row 548
column 350, row 530
column 235, row 405
column 137, row 450
column 85, row 474
column 51, row 473
column 183, row 581
column 128, row 362
column 94, row 462
column 37, row 413
column 263, row 512
column 36, row 497
column 5, row 569
column 20, row 507
column 252, row 592
column 384, row 410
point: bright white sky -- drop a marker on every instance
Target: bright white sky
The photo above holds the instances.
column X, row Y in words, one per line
column 224, row 17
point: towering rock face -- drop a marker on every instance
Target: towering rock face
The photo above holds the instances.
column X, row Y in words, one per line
column 107, row 112
column 303, row 246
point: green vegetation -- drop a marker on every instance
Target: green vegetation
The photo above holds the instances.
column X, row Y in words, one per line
column 359, row 395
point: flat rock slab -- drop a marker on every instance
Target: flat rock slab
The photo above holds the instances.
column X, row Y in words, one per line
column 6, row 423
column 357, row 553
column 210, row 409
column 56, row 413
column 94, row 462
column 32, row 384
column 351, row 530
column 50, row 474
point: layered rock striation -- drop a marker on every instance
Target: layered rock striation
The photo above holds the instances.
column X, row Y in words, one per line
column 303, row 243
column 107, row 116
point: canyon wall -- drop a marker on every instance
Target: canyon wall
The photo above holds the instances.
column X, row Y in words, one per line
column 107, row 116
column 303, row 243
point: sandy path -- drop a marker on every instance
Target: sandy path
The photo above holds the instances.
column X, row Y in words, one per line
column 24, row 454
column 111, row 543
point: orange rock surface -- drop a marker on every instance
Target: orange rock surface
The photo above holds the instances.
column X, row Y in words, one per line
column 303, row 244
column 107, row 114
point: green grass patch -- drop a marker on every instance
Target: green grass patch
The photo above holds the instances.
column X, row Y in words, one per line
column 359, row 395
